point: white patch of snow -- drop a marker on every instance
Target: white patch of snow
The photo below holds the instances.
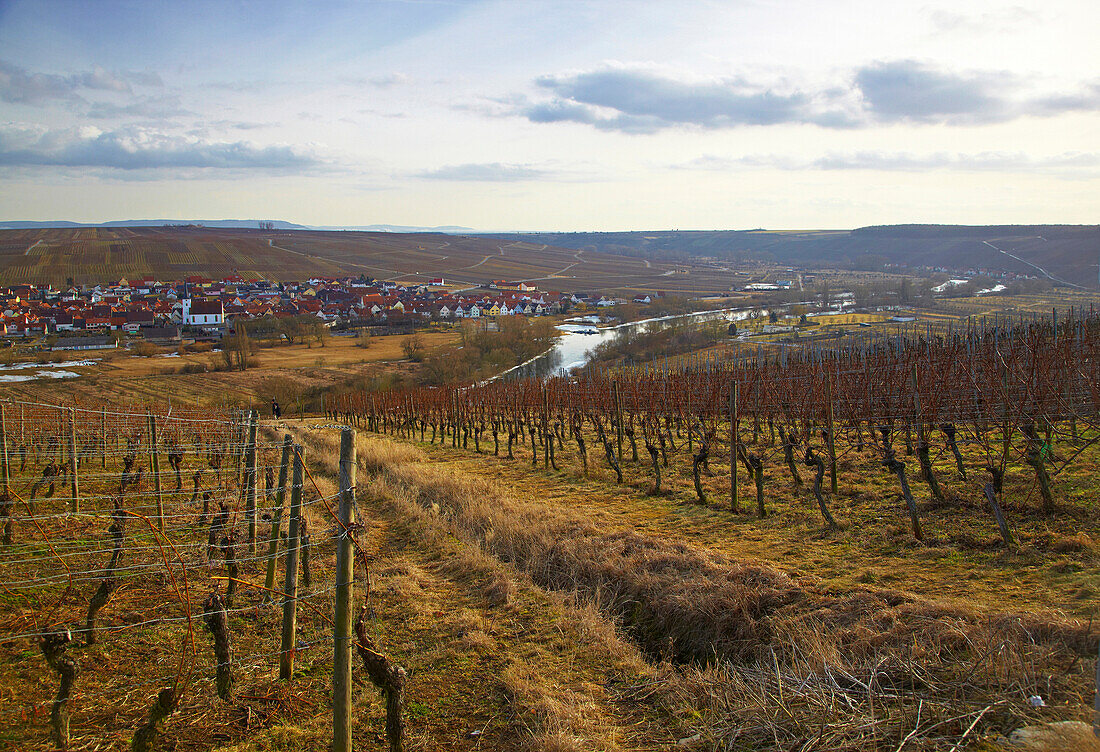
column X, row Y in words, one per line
column 949, row 283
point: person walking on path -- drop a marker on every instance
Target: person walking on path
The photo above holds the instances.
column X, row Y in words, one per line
column 276, row 413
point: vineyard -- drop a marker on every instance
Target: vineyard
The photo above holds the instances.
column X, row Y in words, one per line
column 883, row 545
column 160, row 569
column 1006, row 391
column 978, row 442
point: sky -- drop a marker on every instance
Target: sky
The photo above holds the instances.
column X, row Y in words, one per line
column 570, row 116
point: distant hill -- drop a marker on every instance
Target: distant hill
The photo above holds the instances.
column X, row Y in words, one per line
column 1065, row 253
column 245, row 224
column 105, row 254
column 216, row 223
column 668, row 261
column 449, row 229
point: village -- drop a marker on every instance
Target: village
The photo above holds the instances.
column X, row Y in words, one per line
column 96, row 316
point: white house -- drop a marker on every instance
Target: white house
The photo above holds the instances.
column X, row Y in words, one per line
column 203, row 313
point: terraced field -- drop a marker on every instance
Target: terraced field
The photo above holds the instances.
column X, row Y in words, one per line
column 93, row 255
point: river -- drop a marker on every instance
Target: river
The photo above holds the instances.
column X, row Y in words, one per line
column 573, row 347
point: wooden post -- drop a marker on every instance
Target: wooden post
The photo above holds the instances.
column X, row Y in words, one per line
column 733, row 445
column 250, row 482
column 618, row 421
column 239, row 430
column 277, row 516
column 103, row 437
column 5, row 492
column 74, row 505
column 345, row 586
column 290, row 584
column 546, row 438
column 830, row 444
column 1096, row 705
column 4, row 468
column 155, row 462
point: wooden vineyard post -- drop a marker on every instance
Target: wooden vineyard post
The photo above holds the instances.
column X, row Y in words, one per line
column 345, row 584
column 290, row 584
column 103, row 437
column 830, row 445
column 618, row 407
column 4, row 469
column 1096, row 704
column 546, row 438
column 733, row 446
column 239, row 430
column 75, row 504
column 5, row 498
column 277, row 516
column 250, row 481
column 155, row 462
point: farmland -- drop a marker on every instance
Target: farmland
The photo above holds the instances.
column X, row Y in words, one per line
column 1065, row 252
column 980, row 502
column 94, row 255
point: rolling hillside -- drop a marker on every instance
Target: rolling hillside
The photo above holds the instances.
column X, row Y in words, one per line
column 99, row 254
column 1067, row 253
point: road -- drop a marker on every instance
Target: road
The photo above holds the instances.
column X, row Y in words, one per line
column 1038, row 268
column 31, row 248
column 390, row 273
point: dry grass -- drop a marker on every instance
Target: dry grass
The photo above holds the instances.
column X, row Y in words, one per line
column 549, row 656
column 769, row 659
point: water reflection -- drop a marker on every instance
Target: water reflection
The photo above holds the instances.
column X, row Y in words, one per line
column 574, row 346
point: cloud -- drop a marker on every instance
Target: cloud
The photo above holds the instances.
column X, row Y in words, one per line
column 20, row 86
column 381, row 81
column 910, row 90
column 994, row 21
column 981, row 162
column 140, row 149
column 154, row 108
column 1066, row 163
column 1086, row 100
column 492, row 172
column 634, row 100
column 240, row 125
column 641, row 101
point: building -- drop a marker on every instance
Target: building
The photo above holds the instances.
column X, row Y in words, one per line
column 203, row 313
column 85, row 343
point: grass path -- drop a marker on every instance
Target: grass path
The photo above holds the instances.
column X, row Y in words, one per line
column 874, row 549
column 494, row 661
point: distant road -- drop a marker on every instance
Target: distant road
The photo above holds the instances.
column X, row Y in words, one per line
column 31, row 248
column 1038, row 268
column 389, row 272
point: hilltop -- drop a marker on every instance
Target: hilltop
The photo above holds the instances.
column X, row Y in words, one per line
column 1065, row 253
column 98, row 254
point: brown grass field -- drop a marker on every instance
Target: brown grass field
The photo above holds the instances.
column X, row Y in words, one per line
column 284, row 370
column 97, row 255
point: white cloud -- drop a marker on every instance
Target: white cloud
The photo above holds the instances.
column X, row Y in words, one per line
column 141, row 149
column 1069, row 164
column 493, row 172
